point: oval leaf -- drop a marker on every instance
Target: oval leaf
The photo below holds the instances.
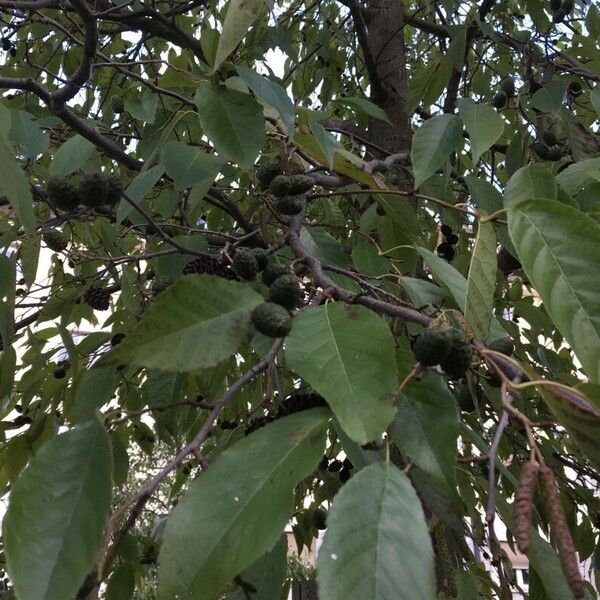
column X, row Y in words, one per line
column 189, row 165
column 267, row 575
column 483, row 124
column 243, row 501
column 15, row 186
column 72, row 155
column 233, row 121
column 533, row 181
column 426, row 428
column 240, row 16
column 582, row 421
column 270, row 93
column 456, row 284
column 481, row 283
column 198, row 322
column 432, row 144
column 559, row 248
column 56, row 514
column 346, row 353
column 550, row 98
column 377, row 546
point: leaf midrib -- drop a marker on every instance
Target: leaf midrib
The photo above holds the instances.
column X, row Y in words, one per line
column 242, row 505
column 562, row 272
column 75, row 504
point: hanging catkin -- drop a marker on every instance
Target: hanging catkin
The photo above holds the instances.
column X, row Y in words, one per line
column 524, row 504
column 443, row 553
column 564, row 541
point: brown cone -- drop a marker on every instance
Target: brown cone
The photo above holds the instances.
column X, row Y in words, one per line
column 564, row 541
column 524, row 504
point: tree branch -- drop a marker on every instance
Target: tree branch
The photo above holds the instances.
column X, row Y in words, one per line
column 138, row 502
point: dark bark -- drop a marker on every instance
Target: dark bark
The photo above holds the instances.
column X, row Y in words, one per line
column 385, row 24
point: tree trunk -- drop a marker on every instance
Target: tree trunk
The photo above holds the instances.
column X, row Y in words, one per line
column 385, row 25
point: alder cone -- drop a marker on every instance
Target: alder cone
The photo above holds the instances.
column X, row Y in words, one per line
column 273, row 271
column 55, row 240
column 562, row 535
column 524, row 504
column 289, row 205
column 98, row 298
column 93, row 189
column 432, row 346
column 286, row 291
column 271, row 319
column 458, row 360
column 245, row 264
column 208, row 265
column 62, row 193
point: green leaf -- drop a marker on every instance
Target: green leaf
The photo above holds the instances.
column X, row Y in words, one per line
column 580, row 419
column 233, row 121
column 28, row 134
column 426, row 428
column 546, row 563
column 241, row 14
column 368, row 260
column 456, row 284
column 483, row 124
column 323, row 245
column 189, row 165
column 272, row 94
column 401, row 212
column 121, row 584
column 346, row 353
column 481, row 282
column 243, row 501
column 516, row 154
column 94, row 389
column 578, row 175
column 197, row 322
column 8, row 363
column 433, row 142
column 582, row 143
column 422, row 292
column 56, row 514
column 144, row 108
column 365, row 106
column 326, row 141
column 7, row 275
column 267, row 575
column 138, row 189
column 377, row 546
column 533, row 181
column 5, row 120
column 559, row 248
column 595, row 99
column 485, row 196
column 550, row 98
column 15, row 186
column 592, row 23
column 71, row 156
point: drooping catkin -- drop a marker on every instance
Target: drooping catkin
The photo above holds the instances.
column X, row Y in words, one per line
column 524, row 504
column 564, row 541
column 444, row 555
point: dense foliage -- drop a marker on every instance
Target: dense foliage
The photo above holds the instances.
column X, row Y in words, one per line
column 331, row 264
